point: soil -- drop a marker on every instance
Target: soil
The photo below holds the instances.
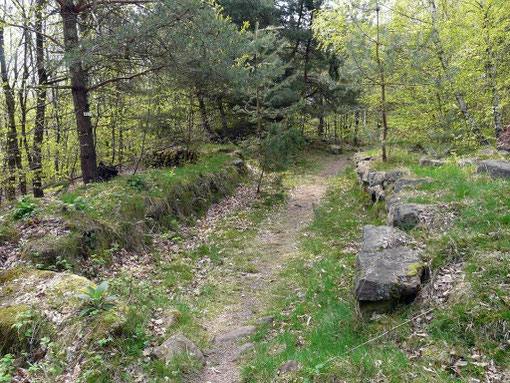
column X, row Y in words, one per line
column 277, row 244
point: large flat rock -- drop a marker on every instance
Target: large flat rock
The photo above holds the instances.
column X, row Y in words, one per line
column 238, row 333
column 431, row 162
column 388, row 277
column 496, row 169
column 377, row 238
column 407, row 183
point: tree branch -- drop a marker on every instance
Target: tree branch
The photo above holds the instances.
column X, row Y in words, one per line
column 116, row 79
column 82, row 7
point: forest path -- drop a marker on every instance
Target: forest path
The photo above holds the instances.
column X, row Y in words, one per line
column 275, row 245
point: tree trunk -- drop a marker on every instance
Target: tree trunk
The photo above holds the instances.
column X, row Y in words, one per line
column 23, row 96
column 205, row 118
column 80, row 93
column 40, row 112
column 13, row 153
column 121, row 146
column 356, row 127
column 223, row 116
column 383, row 86
column 473, row 125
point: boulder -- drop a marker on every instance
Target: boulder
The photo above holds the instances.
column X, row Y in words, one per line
column 430, row 162
column 376, row 193
column 359, row 158
column 496, row 169
column 176, row 345
column 371, row 178
column 392, row 176
column 406, row 216
column 267, row 319
column 169, row 157
column 363, row 172
column 289, row 366
column 238, row 333
column 105, row 172
column 388, row 277
column 463, row 162
column 52, row 297
column 335, row 149
column 376, row 238
column 403, row 183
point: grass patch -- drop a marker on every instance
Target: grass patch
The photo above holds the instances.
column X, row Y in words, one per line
column 317, row 323
column 121, row 212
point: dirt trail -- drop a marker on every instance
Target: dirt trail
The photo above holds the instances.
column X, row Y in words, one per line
column 277, row 244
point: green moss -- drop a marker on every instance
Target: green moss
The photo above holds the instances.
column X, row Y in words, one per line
column 59, row 253
column 11, row 274
column 117, row 214
column 415, row 269
column 9, row 336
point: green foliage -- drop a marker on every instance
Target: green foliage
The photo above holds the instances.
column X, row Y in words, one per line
column 74, row 201
column 278, row 147
column 137, row 182
column 96, row 300
column 25, row 208
column 6, row 368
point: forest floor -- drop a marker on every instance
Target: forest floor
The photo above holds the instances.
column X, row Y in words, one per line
column 274, row 246
column 264, row 283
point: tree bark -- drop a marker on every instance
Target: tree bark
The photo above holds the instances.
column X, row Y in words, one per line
column 79, row 92
column 13, row 152
column 205, row 118
column 223, row 116
column 356, row 127
column 40, row 112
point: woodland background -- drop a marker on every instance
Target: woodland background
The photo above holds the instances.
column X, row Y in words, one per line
column 106, row 81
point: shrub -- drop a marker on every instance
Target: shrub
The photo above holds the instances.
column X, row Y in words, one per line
column 277, row 149
column 137, row 182
column 25, row 208
column 6, row 368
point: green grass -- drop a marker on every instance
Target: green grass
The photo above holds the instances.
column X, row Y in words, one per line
column 120, row 213
column 329, row 346
column 169, row 285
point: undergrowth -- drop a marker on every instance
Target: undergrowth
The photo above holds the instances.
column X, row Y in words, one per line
column 317, row 323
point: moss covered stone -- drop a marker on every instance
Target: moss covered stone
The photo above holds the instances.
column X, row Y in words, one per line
column 59, row 253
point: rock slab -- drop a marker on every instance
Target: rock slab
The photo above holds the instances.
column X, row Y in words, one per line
column 289, row 366
column 496, row 169
column 377, row 238
column 238, row 333
column 388, row 277
column 430, row 162
column 175, row 345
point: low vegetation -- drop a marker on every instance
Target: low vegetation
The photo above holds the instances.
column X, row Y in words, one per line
column 431, row 340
